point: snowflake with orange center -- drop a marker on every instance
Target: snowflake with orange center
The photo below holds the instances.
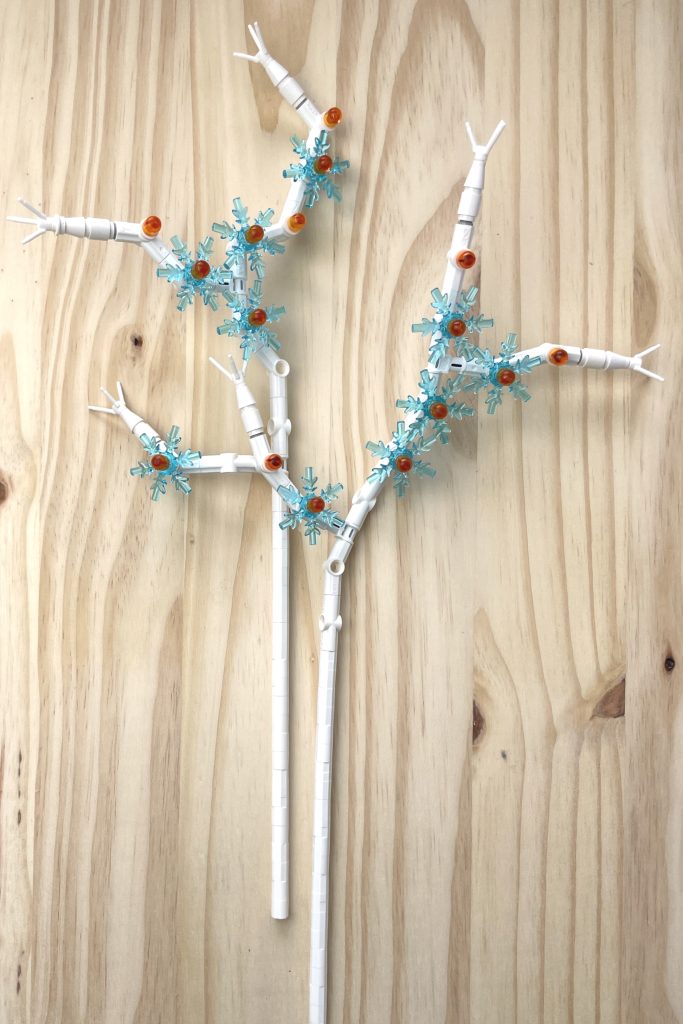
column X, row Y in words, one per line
column 400, row 456
column 196, row 276
column 166, row 463
column 450, row 325
column 248, row 241
column 316, row 166
column 310, row 507
column 435, row 405
column 251, row 321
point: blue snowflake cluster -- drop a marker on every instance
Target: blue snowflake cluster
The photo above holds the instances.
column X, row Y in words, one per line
column 450, row 332
column 166, row 463
column 250, row 321
column 315, row 168
column 310, row 507
column 195, row 276
column 248, row 241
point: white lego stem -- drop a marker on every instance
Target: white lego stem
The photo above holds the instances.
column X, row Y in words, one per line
column 225, row 462
column 589, row 358
column 97, row 229
column 468, row 210
column 330, row 624
column 287, row 86
column 135, row 423
column 279, row 428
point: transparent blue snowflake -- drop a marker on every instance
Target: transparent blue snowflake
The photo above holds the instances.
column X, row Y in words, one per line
column 246, row 322
column 305, row 169
column 166, row 462
column 310, row 507
column 435, row 405
column 495, row 366
column 237, row 234
column 399, row 456
column 190, row 284
column 438, row 327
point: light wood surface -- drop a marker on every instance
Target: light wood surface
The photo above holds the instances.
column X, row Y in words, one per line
column 536, row 875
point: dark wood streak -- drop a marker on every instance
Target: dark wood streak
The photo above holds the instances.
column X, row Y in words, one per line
column 478, row 722
column 613, row 703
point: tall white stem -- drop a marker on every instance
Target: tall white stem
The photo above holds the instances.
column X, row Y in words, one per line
column 278, row 428
column 330, row 625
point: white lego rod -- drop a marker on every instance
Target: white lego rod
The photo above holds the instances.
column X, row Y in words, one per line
column 288, row 87
column 330, row 625
column 468, row 209
column 279, row 428
column 558, row 355
column 362, row 504
column 100, row 229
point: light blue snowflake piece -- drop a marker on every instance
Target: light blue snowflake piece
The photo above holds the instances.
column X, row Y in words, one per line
column 494, row 366
column 254, row 335
column 431, row 396
column 188, row 285
column 239, row 248
column 437, row 328
column 300, row 510
column 166, row 463
column 406, row 443
column 305, row 169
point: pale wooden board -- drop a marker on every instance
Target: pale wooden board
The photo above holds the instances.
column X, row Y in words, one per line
column 535, row 877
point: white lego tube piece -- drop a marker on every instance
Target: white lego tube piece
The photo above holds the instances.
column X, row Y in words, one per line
column 135, row 423
column 330, row 625
column 279, row 428
column 558, row 355
column 225, row 462
column 468, row 210
column 288, row 87
column 97, row 229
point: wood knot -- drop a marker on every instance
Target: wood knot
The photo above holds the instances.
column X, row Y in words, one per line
column 137, row 340
column 613, row 703
column 478, row 722
column 4, row 489
column 669, row 663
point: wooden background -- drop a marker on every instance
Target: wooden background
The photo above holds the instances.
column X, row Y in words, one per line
column 535, row 875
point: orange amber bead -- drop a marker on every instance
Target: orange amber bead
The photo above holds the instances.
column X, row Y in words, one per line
column 456, row 328
column 160, row 462
column 558, row 356
column 465, row 259
column 404, row 464
column 506, row 377
column 257, row 317
column 332, row 117
column 297, row 222
column 151, row 226
column 315, row 505
column 322, row 164
column 273, row 461
column 438, row 410
column 254, row 234
column 200, row 270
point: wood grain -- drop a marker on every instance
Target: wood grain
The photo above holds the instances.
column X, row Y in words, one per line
column 537, row 876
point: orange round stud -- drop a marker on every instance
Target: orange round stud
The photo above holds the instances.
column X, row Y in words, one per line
column 315, row 505
column 151, row 226
column 254, row 234
column 160, row 462
column 506, row 377
column 332, row 117
column 438, row 410
column 273, row 461
column 404, row 464
column 558, row 356
column 257, row 317
column 297, row 222
column 466, row 259
column 200, row 270
column 456, row 328
column 322, row 164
